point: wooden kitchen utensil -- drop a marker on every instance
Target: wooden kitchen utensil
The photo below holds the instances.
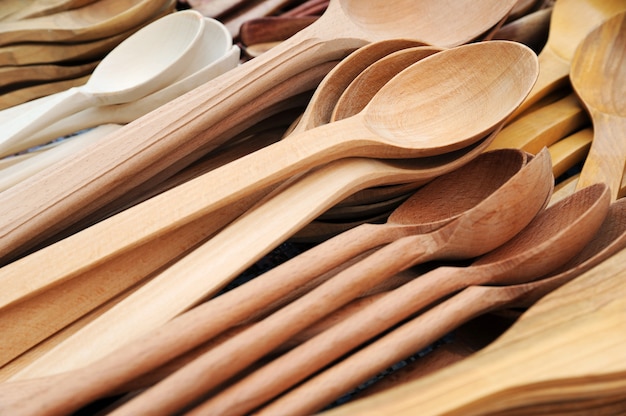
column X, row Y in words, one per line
column 123, row 75
column 433, row 324
column 185, row 125
column 599, row 77
column 16, row 9
column 571, row 337
column 570, row 22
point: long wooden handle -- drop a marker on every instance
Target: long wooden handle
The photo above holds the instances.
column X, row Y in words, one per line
column 577, row 331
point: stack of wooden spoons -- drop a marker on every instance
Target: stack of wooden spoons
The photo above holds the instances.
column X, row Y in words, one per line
column 47, row 47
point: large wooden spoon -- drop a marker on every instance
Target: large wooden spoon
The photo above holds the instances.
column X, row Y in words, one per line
column 599, row 77
column 443, row 318
column 570, row 22
column 93, row 21
column 144, row 149
column 123, row 75
column 470, row 234
column 572, row 337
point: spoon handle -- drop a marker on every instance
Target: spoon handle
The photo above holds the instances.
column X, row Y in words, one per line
column 16, row 132
column 607, row 154
column 408, row 339
column 184, row 386
column 574, row 333
column 149, row 146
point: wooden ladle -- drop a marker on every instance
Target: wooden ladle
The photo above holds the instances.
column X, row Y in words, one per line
column 17, row 10
column 443, row 318
column 470, row 234
column 599, row 78
column 146, row 148
column 123, row 75
column 570, row 22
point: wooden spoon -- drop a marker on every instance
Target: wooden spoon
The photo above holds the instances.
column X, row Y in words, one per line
column 599, row 77
column 361, row 90
column 218, row 56
column 319, row 110
column 441, row 319
column 541, row 350
column 17, row 10
column 93, row 21
column 570, row 22
column 120, row 77
column 189, row 123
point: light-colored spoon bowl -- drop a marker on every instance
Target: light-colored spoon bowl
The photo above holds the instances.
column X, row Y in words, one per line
column 125, row 74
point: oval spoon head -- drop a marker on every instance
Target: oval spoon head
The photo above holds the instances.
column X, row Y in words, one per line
column 124, row 72
column 435, row 22
column 361, row 90
column 320, row 107
column 553, row 238
column 449, row 196
column 439, row 97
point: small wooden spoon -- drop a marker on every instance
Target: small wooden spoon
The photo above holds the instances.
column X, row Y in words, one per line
column 455, row 240
column 144, row 149
column 445, row 317
column 121, row 76
column 570, row 22
column 599, row 77
column 93, row 21
column 319, row 110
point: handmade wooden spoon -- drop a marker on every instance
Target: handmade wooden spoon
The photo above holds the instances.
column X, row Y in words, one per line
column 123, row 75
column 92, row 21
column 570, row 22
column 187, row 124
column 599, row 77
column 540, row 351
column 23, row 95
column 361, row 90
column 455, row 241
column 319, row 110
column 218, row 56
column 17, row 10
column 445, row 317
column 569, row 151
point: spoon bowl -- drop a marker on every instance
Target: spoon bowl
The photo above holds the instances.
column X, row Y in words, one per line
column 598, row 76
column 123, row 75
column 216, row 55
